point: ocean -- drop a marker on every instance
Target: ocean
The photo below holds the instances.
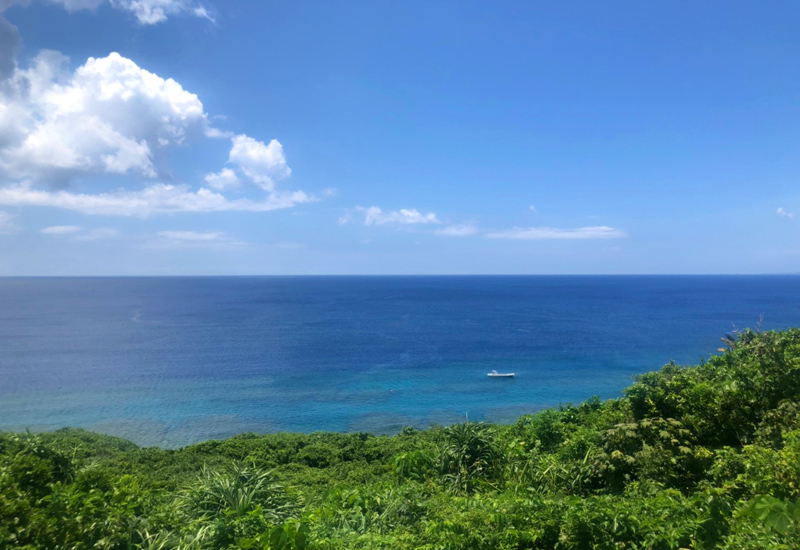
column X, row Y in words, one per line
column 173, row 361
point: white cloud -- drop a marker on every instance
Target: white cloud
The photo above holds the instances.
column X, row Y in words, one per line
column 464, row 230
column 212, row 132
column 532, row 208
column 7, row 225
column 5, row 4
column 109, row 116
column 193, row 236
column 150, row 12
column 550, row 233
column 375, row 216
column 112, row 117
column 225, row 179
column 61, row 230
column 147, row 12
column 262, row 164
column 78, row 5
column 98, row 234
column 289, row 245
column 203, row 13
column 783, row 213
column 192, row 239
column 154, row 199
column 81, row 234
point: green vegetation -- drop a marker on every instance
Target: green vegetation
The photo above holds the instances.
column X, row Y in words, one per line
column 700, row 457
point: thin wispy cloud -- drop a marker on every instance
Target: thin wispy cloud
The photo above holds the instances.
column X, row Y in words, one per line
column 147, row 12
column 374, row 215
column 553, row 233
column 152, row 200
column 78, row 233
column 464, row 230
column 192, row 239
column 224, row 179
column 7, row 224
column 203, row 13
column 61, row 230
column 784, row 214
column 98, row 234
column 289, row 245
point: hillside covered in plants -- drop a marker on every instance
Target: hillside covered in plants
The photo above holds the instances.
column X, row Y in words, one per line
column 695, row 457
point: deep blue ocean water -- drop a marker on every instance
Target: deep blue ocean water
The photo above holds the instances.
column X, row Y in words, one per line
column 172, row 361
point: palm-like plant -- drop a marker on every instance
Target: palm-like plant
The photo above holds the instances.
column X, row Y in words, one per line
column 237, row 490
column 469, row 456
column 228, row 504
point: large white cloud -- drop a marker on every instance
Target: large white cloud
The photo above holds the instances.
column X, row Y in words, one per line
column 553, row 233
column 109, row 116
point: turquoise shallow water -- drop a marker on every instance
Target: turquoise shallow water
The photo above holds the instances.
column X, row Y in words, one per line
column 171, row 361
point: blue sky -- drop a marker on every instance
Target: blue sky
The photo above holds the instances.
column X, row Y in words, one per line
column 158, row 137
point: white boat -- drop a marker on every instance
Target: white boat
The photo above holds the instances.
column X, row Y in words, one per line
column 495, row 374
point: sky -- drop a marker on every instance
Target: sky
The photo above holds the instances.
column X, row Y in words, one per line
column 252, row 137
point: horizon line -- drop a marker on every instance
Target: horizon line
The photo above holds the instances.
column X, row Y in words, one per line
column 377, row 275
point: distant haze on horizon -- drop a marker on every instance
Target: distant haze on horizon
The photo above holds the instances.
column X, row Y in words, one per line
column 194, row 137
